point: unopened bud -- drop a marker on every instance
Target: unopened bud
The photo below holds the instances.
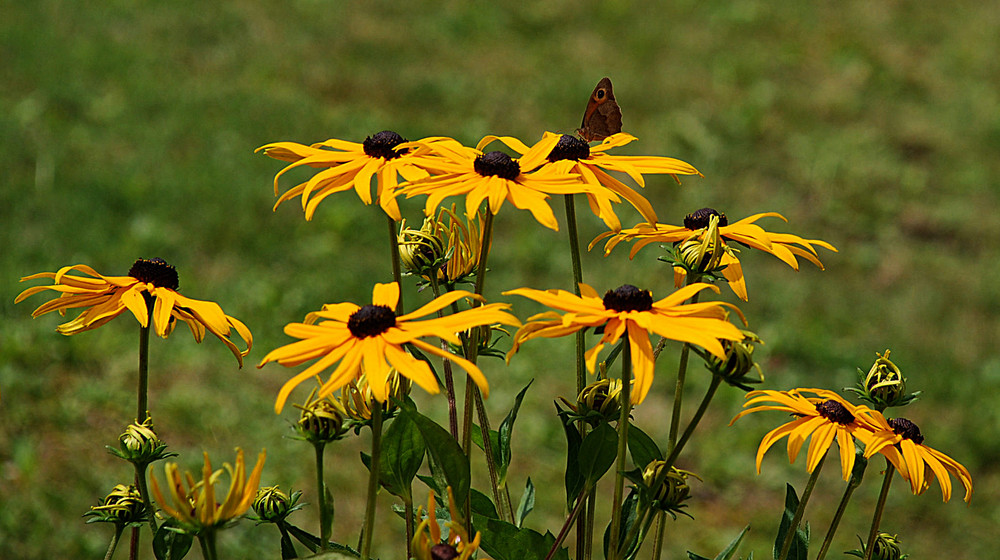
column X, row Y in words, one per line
column 123, row 506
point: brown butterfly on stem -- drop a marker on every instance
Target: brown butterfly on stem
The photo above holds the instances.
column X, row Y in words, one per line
column 603, row 116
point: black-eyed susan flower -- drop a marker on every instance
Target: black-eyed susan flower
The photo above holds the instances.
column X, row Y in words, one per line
column 150, row 282
column 347, row 165
column 427, row 542
column 492, row 176
column 592, row 163
column 347, row 336
column 630, row 310
column 902, row 443
column 784, row 246
column 194, row 504
column 820, row 418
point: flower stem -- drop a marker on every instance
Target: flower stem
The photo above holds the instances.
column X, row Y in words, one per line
column 449, row 378
column 879, row 507
column 676, row 451
column 500, row 491
column 626, row 406
column 793, row 527
column 140, row 482
column 373, row 474
column 324, row 507
column 661, row 526
column 484, row 252
column 114, row 541
column 569, row 521
column 675, row 415
column 397, row 271
column 408, row 515
column 207, row 541
column 852, row 485
column 142, row 406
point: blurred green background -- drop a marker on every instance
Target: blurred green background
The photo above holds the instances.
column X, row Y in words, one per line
column 128, row 131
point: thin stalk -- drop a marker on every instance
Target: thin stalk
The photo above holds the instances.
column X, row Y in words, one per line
column 449, row 378
column 499, row 490
column 852, row 485
column 661, row 527
column 140, row 482
column 133, row 545
column 675, row 415
column 590, row 511
column 408, row 516
column 484, row 251
column 324, row 506
column 142, row 399
column 702, row 407
column 366, row 543
column 566, row 525
column 793, row 527
column 114, row 541
column 879, row 507
column 207, row 542
column 397, row 271
column 626, row 406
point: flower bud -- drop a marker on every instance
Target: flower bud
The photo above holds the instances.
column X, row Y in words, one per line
column 422, row 251
column 123, row 506
column 356, row 397
column 273, row 505
column 702, row 251
column 598, row 402
column 140, row 445
column 672, row 492
column 739, row 368
column 322, row 420
column 886, row 548
column 884, row 384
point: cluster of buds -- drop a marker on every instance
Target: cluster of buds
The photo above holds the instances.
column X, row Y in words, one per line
column 884, row 385
column 597, row 403
column 123, row 507
column 140, row 445
column 739, row 368
column 667, row 489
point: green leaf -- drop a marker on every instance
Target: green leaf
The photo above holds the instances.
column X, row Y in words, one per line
column 443, row 449
column 727, row 553
column 526, row 505
column 505, row 431
column 800, row 543
column 402, row 455
column 481, row 504
column 598, row 452
column 574, row 481
column 170, row 542
column 504, row 541
column 642, row 447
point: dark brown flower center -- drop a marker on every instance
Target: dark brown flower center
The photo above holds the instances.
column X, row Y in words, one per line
column 835, row 411
column 907, row 429
column 156, row 272
column 700, row 218
column 371, row 320
column 497, row 164
column 628, row 298
column 443, row 551
column 570, row 147
column 383, row 145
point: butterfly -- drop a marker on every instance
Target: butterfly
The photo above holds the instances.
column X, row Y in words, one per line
column 603, row 116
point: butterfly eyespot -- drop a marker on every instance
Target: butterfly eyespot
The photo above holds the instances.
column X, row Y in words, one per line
column 601, row 94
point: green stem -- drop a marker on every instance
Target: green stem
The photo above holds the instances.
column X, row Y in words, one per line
column 114, row 541
column 140, row 482
column 397, row 271
column 449, row 378
column 852, row 485
column 484, row 251
column 207, row 541
column 675, row 415
column 142, row 406
column 661, row 527
column 499, row 490
column 373, row 482
column 325, row 522
column 408, row 516
column 799, row 511
column 879, row 507
column 623, row 423
column 569, row 521
column 702, row 407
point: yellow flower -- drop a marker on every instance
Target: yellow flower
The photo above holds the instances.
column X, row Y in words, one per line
column 571, row 155
column 427, row 543
column 149, row 281
column 373, row 336
column 822, row 417
column 195, row 505
column 445, row 239
column 347, row 165
column 493, row 176
column 629, row 309
column 901, row 442
column 785, row 246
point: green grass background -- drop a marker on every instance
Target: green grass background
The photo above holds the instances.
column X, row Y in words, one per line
column 128, row 131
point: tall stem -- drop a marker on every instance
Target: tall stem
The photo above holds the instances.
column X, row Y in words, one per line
column 879, row 507
column 626, row 406
column 675, row 415
column 661, row 526
column 140, row 482
column 114, row 541
column 207, row 541
column 373, row 475
column 397, row 271
column 793, row 527
column 142, row 398
column 324, row 506
column 852, row 485
column 449, row 378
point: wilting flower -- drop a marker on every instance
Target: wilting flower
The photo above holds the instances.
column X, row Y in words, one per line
column 822, row 417
column 629, row 309
column 785, row 246
column 150, row 282
column 427, row 543
column 348, row 165
column 573, row 155
column 373, row 336
column 902, row 443
column 194, row 504
column 493, row 176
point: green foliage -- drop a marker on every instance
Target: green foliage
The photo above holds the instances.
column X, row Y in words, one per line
column 504, row 541
column 800, row 542
column 444, row 451
column 728, row 552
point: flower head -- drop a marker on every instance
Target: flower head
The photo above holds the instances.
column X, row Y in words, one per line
column 150, row 282
column 357, row 397
column 122, row 507
column 823, row 417
column 445, row 243
column 746, row 232
column 427, row 542
column 194, row 504
column 348, row 165
column 349, row 337
column 884, row 385
column 592, row 164
column 322, row 420
column 140, row 445
column 630, row 310
column 902, row 444
column 273, row 506
column 492, row 176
